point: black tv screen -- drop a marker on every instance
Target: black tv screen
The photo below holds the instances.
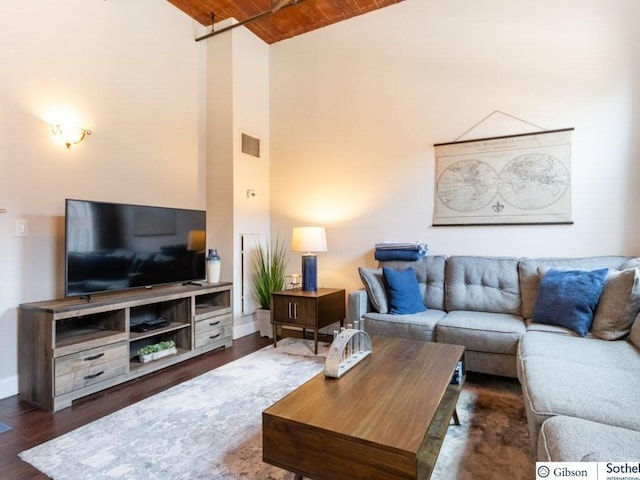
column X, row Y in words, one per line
column 112, row 246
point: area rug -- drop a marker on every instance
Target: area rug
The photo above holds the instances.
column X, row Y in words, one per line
column 210, row 428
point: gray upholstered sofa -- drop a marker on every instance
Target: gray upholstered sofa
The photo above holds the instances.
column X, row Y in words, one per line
column 581, row 393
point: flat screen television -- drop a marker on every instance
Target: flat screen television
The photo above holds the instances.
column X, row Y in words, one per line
column 113, row 246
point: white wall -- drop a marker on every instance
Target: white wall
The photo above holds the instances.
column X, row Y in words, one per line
column 238, row 102
column 356, row 108
column 129, row 71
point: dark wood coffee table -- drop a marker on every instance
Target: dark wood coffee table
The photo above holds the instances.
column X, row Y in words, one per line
column 384, row 419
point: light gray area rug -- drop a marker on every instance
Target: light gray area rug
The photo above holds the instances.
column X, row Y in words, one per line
column 210, row 428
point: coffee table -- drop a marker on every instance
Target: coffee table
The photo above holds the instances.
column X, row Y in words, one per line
column 384, row 419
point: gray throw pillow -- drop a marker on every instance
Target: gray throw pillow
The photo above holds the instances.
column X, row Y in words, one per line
column 619, row 305
column 634, row 335
column 374, row 285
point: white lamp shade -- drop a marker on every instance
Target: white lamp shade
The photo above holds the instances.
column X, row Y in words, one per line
column 308, row 239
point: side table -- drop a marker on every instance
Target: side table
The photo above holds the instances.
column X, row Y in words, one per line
column 313, row 310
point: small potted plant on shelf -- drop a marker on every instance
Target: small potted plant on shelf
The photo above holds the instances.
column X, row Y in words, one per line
column 269, row 265
column 156, row 351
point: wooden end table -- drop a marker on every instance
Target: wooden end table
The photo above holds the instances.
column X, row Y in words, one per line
column 309, row 310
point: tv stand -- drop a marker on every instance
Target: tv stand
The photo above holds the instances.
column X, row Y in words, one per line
column 72, row 347
column 87, row 298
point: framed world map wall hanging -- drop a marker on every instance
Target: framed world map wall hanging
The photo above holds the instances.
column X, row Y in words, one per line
column 516, row 180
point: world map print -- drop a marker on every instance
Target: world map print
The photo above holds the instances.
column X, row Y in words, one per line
column 467, row 185
column 516, row 179
column 533, row 181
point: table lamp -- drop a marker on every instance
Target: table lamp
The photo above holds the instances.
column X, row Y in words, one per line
column 309, row 240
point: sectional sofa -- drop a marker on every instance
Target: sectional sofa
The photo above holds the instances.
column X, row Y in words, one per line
column 567, row 328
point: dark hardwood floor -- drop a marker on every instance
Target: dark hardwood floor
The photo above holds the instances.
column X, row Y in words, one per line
column 32, row 425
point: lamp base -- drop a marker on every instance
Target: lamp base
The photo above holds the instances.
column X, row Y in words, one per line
column 309, row 272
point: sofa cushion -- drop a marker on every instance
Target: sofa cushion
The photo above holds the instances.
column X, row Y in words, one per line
column 430, row 274
column 482, row 284
column 618, row 306
column 374, row 285
column 555, row 386
column 419, row 326
column 568, row 439
column 530, row 280
column 583, row 350
column 481, row 331
column 568, row 298
column 543, row 327
column 403, row 291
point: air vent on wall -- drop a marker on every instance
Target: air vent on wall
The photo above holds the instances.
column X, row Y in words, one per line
column 250, row 145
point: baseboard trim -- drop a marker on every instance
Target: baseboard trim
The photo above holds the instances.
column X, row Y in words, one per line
column 244, row 329
column 8, row 386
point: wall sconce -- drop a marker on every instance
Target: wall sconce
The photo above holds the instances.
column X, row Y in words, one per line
column 69, row 135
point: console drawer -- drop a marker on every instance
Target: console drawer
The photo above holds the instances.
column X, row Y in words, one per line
column 213, row 330
column 90, row 366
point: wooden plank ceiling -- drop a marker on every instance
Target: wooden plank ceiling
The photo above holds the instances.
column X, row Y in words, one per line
column 298, row 17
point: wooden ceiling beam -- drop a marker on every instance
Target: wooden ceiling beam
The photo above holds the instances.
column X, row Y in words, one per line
column 285, row 22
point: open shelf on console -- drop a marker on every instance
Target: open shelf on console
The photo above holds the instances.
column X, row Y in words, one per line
column 177, row 332
column 210, row 303
column 87, row 331
column 172, row 311
column 133, row 336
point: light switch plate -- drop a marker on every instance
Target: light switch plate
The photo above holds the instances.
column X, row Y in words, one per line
column 22, row 228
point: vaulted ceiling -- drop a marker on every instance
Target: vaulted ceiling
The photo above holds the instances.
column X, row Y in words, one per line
column 289, row 17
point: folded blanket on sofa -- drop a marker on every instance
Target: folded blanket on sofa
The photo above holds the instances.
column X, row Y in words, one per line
column 408, row 255
column 420, row 247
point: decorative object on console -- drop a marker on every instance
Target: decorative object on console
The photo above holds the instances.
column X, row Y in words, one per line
column 213, row 266
column 156, row 351
column 350, row 346
column 309, row 240
column 69, row 134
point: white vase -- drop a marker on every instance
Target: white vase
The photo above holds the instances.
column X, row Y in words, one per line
column 263, row 319
column 213, row 266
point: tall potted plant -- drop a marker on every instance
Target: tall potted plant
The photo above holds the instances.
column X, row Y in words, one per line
column 270, row 263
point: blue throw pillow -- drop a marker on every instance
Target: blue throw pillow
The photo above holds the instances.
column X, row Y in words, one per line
column 568, row 298
column 403, row 290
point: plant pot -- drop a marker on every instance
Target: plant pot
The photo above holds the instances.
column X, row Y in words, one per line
column 263, row 319
column 156, row 355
